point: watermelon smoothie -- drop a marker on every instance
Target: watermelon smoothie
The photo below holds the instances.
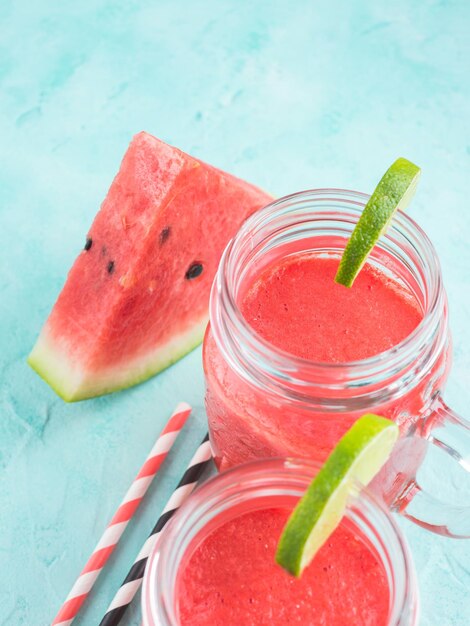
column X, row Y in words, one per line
column 296, row 306
column 216, row 566
column 232, row 578
column 292, row 359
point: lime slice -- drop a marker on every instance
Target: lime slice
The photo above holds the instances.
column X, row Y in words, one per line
column 358, row 456
column 394, row 191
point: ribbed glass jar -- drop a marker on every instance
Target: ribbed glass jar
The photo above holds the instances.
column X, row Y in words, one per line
column 267, row 484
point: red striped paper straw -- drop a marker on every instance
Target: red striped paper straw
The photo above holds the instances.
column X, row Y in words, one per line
column 126, row 510
column 133, row 580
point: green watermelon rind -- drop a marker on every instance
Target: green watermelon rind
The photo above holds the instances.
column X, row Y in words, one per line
column 54, row 367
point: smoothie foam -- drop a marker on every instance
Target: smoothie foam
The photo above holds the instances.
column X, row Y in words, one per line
column 296, row 305
column 231, row 578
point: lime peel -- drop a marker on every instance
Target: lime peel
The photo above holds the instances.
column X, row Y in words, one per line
column 394, row 191
column 358, row 456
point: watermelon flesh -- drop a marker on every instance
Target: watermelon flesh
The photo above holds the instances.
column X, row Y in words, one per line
column 136, row 299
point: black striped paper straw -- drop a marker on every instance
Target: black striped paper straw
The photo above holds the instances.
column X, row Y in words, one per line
column 133, row 580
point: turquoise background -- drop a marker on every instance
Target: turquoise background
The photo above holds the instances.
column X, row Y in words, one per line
column 289, row 95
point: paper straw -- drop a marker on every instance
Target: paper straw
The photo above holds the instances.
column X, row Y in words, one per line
column 133, row 580
column 126, row 510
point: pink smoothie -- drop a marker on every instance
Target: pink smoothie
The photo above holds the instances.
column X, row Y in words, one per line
column 231, row 579
column 296, row 305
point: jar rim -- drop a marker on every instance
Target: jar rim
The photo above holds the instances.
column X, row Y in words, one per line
column 287, row 365
column 251, row 478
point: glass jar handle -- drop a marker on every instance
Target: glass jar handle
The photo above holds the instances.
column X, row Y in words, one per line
column 427, row 478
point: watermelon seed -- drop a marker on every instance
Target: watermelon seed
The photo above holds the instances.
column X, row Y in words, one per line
column 164, row 234
column 88, row 243
column 110, row 267
column 194, row 271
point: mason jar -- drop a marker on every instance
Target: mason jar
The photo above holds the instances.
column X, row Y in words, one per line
column 263, row 485
column 263, row 402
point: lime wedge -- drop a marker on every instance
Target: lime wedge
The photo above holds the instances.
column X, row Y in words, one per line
column 394, row 191
column 359, row 455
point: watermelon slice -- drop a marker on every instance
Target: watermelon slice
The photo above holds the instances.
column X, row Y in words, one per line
column 136, row 299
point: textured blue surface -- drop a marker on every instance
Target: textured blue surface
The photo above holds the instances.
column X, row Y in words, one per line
column 287, row 95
